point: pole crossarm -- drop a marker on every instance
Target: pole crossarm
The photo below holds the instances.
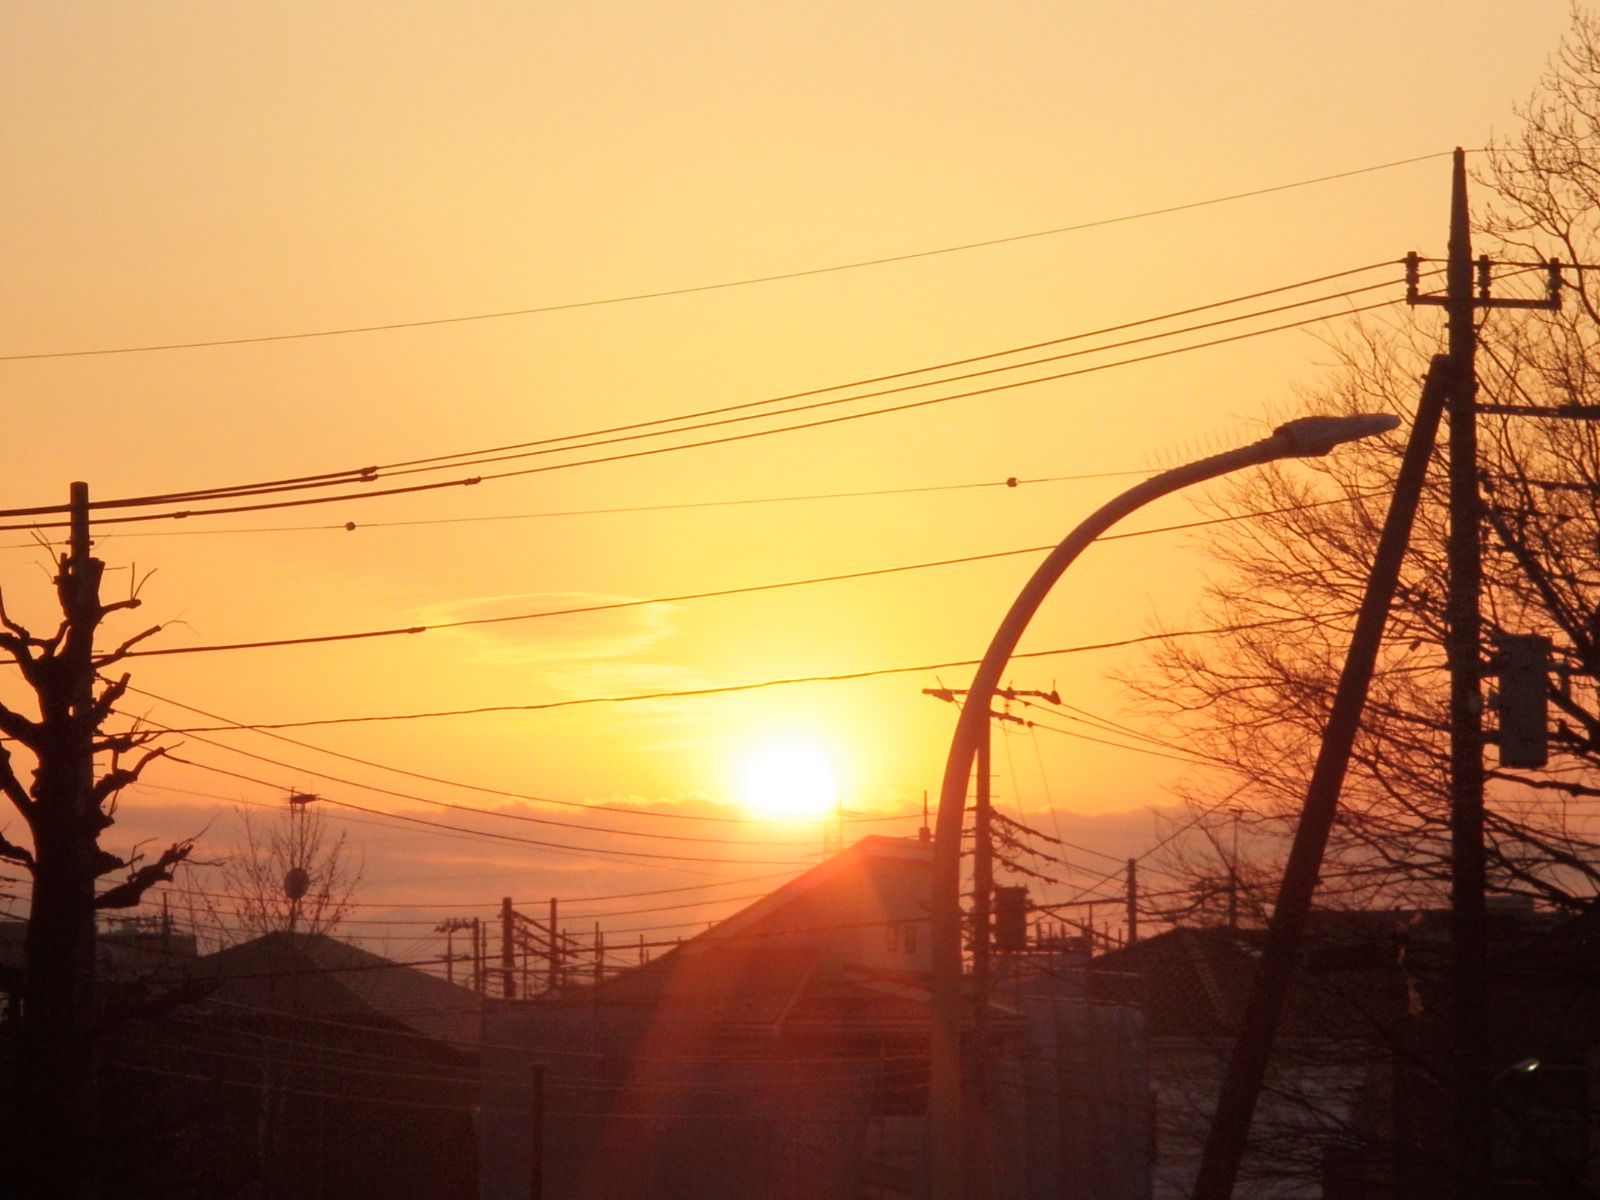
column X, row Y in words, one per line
column 1550, row 302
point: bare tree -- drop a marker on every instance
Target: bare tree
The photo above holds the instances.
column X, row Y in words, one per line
column 291, row 874
column 1255, row 697
column 66, row 807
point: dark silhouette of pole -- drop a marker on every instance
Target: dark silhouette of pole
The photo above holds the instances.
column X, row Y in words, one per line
column 1469, row 1047
column 508, row 949
column 1230, row 1125
column 1464, row 636
column 477, row 956
column 555, row 949
column 1308, row 436
column 1133, row 901
column 982, row 922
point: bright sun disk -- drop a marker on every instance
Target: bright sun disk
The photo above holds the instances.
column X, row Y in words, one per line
column 789, row 781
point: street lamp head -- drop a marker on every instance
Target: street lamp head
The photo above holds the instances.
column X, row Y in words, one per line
column 1523, row 1066
column 1310, row 437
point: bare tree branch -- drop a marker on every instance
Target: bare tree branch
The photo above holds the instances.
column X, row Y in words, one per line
column 128, row 893
column 102, row 661
column 114, row 780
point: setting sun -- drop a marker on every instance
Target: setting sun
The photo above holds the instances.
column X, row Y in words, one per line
column 788, row 781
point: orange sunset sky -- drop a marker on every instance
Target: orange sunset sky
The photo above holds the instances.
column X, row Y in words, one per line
column 190, row 173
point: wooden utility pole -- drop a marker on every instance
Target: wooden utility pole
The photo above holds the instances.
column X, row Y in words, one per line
column 983, row 842
column 1449, row 390
column 555, row 949
column 1464, row 638
column 983, row 921
column 449, row 929
column 1133, row 901
column 1464, row 655
column 477, row 956
column 508, row 954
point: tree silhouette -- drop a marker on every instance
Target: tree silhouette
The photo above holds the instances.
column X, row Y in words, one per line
column 66, row 807
column 1288, row 580
column 291, row 874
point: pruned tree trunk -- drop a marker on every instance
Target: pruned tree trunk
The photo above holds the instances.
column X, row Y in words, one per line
column 66, row 809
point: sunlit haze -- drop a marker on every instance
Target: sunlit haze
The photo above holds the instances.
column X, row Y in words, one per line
column 509, row 227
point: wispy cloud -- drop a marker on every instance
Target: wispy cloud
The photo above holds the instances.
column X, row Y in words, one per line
column 581, row 654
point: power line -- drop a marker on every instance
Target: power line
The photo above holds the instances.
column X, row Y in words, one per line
column 602, row 436
column 1086, row 737
column 725, row 439
column 633, row 297
column 1012, row 482
column 749, row 589
column 370, row 473
column 489, row 835
column 723, row 689
column 510, row 795
column 432, row 905
column 523, row 818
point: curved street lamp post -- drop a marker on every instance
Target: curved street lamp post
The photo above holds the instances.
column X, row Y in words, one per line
column 1303, row 438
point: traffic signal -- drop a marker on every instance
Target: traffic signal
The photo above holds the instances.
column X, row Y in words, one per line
column 1524, row 700
column 1011, row 919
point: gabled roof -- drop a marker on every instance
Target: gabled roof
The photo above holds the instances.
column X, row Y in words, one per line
column 730, row 975
column 824, row 874
column 315, row 976
column 742, row 924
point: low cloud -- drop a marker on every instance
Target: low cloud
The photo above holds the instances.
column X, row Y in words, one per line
column 580, row 633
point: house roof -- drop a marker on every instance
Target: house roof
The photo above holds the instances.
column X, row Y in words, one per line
column 316, row 976
column 1196, row 982
column 741, row 927
column 829, row 871
column 729, row 975
column 1356, row 967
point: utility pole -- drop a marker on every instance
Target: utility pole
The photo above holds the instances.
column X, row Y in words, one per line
column 1464, row 650
column 1464, row 634
column 983, row 849
column 983, row 919
column 477, row 956
column 555, row 949
column 449, row 930
column 508, row 956
column 1133, row 901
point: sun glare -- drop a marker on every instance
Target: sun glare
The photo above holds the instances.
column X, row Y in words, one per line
column 789, row 781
